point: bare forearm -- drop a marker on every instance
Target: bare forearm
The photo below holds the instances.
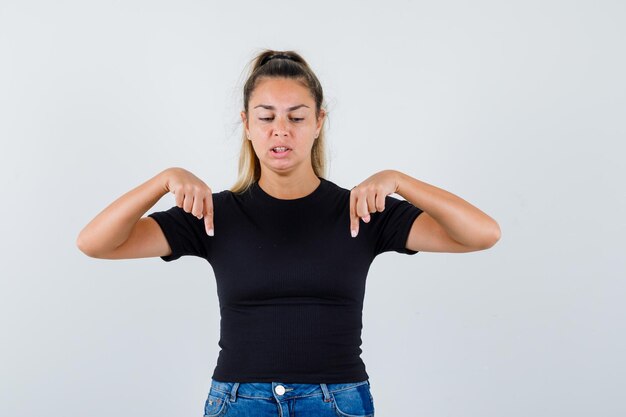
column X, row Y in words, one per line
column 463, row 222
column 112, row 226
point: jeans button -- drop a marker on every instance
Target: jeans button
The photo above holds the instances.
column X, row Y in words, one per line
column 280, row 390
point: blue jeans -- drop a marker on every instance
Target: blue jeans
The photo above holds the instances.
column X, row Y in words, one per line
column 277, row 399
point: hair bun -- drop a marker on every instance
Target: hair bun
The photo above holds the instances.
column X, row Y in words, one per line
column 276, row 56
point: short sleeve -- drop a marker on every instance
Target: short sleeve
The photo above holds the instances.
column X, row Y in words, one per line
column 391, row 226
column 183, row 231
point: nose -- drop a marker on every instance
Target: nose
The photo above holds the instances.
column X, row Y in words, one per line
column 280, row 129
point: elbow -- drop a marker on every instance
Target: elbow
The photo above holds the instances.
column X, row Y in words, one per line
column 84, row 246
column 492, row 237
column 487, row 239
column 80, row 244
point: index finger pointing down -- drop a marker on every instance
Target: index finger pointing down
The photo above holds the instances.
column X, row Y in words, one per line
column 208, row 215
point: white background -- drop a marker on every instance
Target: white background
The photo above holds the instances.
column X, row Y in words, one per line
column 518, row 107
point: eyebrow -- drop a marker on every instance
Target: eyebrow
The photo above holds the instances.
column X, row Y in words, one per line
column 268, row 107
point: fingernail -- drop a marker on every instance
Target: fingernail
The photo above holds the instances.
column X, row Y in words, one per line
column 353, row 232
column 210, row 232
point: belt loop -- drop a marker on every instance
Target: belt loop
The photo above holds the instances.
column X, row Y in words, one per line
column 326, row 393
column 233, row 392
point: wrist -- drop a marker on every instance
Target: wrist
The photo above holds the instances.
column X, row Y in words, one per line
column 400, row 180
column 163, row 180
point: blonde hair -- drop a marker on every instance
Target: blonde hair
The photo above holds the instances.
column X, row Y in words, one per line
column 279, row 64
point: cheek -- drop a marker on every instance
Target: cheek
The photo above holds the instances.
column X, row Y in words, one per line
column 258, row 145
column 260, row 130
column 255, row 147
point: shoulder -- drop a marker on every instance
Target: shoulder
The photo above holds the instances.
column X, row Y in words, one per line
column 228, row 200
column 334, row 188
column 221, row 195
column 334, row 195
column 224, row 198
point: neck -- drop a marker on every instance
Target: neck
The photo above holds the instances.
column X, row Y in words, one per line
column 287, row 187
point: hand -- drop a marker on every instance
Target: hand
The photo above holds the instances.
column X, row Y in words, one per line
column 369, row 197
column 192, row 195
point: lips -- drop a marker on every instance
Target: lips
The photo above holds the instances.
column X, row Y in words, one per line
column 280, row 148
column 280, row 152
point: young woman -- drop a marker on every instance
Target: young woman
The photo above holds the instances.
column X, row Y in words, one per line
column 290, row 249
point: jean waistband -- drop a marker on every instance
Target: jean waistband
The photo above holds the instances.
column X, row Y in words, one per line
column 279, row 390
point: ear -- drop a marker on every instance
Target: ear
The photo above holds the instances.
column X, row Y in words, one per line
column 320, row 120
column 244, row 119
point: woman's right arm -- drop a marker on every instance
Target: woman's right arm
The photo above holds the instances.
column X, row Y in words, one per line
column 119, row 231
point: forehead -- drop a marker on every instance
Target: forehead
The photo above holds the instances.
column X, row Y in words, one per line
column 281, row 93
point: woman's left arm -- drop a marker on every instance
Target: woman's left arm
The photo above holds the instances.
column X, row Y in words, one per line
column 448, row 223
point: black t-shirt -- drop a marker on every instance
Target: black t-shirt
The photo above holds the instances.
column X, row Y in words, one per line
column 290, row 279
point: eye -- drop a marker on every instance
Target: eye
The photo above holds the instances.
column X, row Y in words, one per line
column 297, row 119
column 265, row 119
